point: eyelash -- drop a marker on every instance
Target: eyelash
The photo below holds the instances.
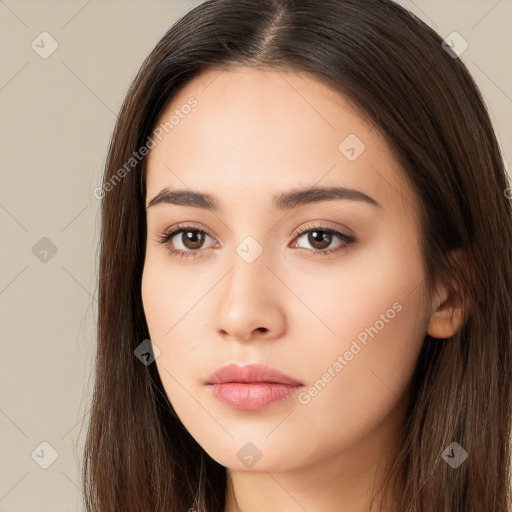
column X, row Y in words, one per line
column 166, row 236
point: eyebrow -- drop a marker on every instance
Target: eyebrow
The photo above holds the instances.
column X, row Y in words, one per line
column 284, row 201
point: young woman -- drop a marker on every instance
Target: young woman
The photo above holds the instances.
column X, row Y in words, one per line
column 305, row 275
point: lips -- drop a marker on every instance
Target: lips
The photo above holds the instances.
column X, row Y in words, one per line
column 252, row 373
column 252, row 387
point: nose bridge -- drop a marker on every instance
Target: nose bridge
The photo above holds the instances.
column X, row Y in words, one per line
column 248, row 280
column 249, row 300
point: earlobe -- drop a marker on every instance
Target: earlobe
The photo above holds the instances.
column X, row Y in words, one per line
column 447, row 315
column 444, row 323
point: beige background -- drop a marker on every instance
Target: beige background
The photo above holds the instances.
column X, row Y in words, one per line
column 57, row 115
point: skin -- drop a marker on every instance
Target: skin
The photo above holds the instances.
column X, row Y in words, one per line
column 253, row 134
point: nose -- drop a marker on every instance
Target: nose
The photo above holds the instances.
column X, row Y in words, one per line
column 251, row 302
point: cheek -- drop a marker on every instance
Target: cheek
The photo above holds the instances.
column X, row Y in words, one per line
column 356, row 386
column 358, row 373
column 376, row 292
column 170, row 295
column 173, row 302
column 372, row 356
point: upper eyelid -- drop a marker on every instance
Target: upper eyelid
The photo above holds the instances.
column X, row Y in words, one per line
column 298, row 231
column 170, row 233
column 309, row 227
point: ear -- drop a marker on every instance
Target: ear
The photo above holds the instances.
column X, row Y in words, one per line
column 446, row 316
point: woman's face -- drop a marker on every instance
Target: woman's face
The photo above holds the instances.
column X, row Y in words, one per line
column 346, row 322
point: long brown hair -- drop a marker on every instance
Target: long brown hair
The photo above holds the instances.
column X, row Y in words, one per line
column 138, row 455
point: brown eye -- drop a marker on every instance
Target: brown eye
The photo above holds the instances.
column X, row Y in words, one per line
column 185, row 241
column 189, row 241
column 319, row 239
column 192, row 239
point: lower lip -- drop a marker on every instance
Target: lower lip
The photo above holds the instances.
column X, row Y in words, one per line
column 252, row 396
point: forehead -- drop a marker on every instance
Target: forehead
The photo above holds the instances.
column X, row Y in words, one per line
column 256, row 131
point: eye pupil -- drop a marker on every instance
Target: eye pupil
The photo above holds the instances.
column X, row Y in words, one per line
column 193, row 239
column 325, row 239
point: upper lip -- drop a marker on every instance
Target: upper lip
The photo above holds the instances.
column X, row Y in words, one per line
column 251, row 373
